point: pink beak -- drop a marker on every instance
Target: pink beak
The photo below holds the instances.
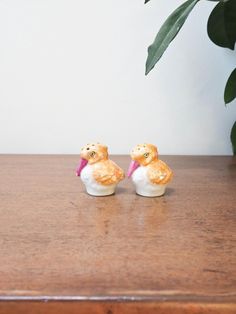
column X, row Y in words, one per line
column 132, row 167
column 83, row 162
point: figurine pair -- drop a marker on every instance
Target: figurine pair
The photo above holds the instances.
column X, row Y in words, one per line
column 101, row 175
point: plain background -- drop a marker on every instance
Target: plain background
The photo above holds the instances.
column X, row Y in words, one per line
column 72, row 71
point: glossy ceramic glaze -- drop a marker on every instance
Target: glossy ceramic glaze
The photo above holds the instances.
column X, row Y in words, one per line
column 149, row 174
column 99, row 174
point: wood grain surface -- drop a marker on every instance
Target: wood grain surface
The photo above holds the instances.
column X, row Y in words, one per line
column 62, row 250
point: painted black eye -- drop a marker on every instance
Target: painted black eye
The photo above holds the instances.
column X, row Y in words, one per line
column 92, row 154
column 88, row 148
column 146, row 155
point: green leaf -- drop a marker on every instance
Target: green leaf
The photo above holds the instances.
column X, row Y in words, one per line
column 167, row 33
column 221, row 25
column 230, row 88
column 233, row 137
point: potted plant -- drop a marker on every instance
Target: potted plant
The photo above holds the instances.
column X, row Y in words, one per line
column 221, row 28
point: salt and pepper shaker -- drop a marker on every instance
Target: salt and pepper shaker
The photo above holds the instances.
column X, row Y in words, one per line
column 99, row 174
column 149, row 174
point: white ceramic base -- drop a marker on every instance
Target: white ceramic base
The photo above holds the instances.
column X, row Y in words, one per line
column 94, row 188
column 102, row 191
column 143, row 185
column 156, row 191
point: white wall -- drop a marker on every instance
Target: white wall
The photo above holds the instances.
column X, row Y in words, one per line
column 72, row 71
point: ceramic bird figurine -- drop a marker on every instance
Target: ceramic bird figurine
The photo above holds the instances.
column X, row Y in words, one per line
column 99, row 174
column 150, row 175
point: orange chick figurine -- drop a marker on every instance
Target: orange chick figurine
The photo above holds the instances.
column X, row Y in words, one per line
column 99, row 174
column 149, row 174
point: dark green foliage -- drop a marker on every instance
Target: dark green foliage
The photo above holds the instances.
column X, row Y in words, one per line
column 233, row 137
column 221, row 29
column 167, row 33
column 230, row 88
column 221, row 25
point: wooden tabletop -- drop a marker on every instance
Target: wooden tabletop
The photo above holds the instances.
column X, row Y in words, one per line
column 63, row 251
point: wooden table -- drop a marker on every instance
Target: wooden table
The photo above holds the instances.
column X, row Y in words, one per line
column 63, row 251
